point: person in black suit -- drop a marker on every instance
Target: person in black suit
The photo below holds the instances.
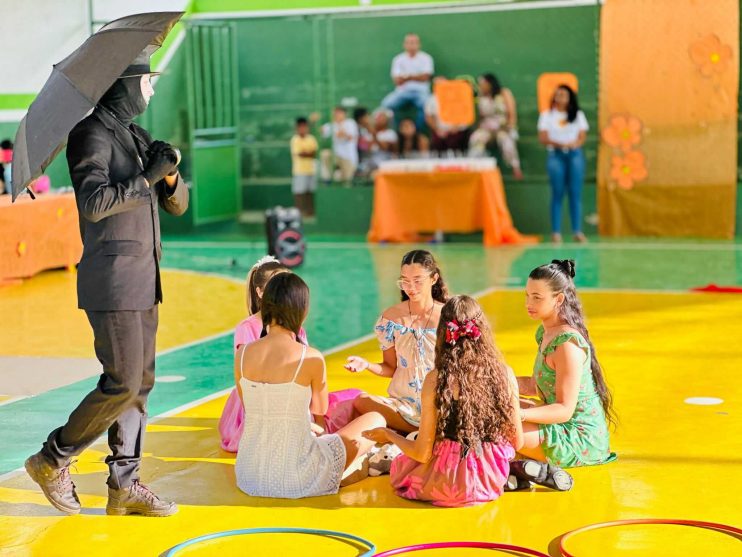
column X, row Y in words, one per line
column 120, row 175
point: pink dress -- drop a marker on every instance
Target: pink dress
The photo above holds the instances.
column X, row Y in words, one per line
column 454, row 477
column 232, row 421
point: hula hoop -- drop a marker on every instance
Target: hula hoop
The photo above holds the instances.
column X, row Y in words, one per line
column 370, row 547
column 598, row 525
column 448, row 545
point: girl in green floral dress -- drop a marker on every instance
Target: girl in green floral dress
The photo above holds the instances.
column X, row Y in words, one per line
column 570, row 426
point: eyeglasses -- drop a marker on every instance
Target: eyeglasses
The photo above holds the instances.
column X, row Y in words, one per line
column 404, row 284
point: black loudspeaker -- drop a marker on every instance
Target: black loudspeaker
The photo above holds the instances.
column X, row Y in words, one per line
column 285, row 236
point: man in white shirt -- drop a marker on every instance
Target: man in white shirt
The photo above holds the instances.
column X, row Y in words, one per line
column 411, row 73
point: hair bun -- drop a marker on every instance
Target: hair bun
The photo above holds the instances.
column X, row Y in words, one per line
column 567, row 266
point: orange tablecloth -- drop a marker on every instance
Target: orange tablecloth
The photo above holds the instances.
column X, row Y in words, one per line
column 406, row 203
column 38, row 234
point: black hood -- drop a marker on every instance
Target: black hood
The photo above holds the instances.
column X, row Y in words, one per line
column 125, row 99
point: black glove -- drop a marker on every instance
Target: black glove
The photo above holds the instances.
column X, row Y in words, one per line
column 161, row 163
column 156, row 146
column 162, row 146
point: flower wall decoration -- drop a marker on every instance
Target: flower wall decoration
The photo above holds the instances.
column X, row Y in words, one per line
column 628, row 168
column 623, row 133
column 710, row 55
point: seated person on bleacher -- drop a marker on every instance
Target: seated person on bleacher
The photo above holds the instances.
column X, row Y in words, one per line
column 411, row 72
column 498, row 121
column 384, row 146
column 365, row 140
column 377, row 142
column 412, row 143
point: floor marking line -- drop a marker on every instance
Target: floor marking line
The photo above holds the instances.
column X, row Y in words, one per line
column 14, row 399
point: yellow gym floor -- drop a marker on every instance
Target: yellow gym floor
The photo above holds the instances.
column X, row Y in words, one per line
column 659, row 349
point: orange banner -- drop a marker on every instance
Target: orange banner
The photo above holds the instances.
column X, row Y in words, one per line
column 669, row 77
column 547, row 84
column 456, row 101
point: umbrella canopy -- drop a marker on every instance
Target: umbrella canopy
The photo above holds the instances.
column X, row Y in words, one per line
column 76, row 85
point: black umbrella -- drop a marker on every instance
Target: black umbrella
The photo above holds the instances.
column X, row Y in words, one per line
column 76, row 85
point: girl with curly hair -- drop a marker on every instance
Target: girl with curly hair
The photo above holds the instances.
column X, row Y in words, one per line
column 470, row 425
column 569, row 426
column 406, row 333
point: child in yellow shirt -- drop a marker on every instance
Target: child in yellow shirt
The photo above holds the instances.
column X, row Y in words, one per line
column 304, row 180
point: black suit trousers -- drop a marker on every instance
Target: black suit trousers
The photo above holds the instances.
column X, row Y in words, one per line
column 125, row 347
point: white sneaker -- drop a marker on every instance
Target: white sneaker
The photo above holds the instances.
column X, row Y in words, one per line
column 380, row 462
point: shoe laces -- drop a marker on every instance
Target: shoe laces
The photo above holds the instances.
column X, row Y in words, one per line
column 143, row 491
column 63, row 479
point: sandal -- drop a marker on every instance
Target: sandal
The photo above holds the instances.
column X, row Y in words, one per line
column 542, row 473
column 514, row 483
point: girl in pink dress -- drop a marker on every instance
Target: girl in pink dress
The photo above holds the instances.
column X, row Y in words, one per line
column 231, row 423
column 470, row 423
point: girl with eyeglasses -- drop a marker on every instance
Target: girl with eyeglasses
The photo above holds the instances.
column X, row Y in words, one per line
column 406, row 333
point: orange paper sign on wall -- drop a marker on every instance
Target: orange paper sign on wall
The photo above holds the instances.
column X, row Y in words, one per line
column 547, row 84
column 455, row 100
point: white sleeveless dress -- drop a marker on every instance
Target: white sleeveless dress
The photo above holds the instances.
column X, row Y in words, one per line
column 278, row 456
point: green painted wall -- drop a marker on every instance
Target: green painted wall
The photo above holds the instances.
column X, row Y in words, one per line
column 16, row 101
column 8, row 130
column 311, row 63
column 201, row 6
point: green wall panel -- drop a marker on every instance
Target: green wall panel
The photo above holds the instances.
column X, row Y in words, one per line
column 8, row 130
column 291, row 66
column 214, row 182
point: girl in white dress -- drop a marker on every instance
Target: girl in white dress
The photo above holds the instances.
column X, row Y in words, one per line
column 281, row 381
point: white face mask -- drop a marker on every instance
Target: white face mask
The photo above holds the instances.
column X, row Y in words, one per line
column 146, row 87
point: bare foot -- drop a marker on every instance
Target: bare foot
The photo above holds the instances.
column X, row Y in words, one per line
column 580, row 238
column 517, row 173
column 556, row 238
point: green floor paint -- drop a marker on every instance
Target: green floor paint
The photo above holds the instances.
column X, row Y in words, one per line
column 25, row 424
column 350, row 283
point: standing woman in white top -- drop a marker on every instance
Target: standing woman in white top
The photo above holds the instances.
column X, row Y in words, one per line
column 411, row 73
column 562, row 129
column 281, row 380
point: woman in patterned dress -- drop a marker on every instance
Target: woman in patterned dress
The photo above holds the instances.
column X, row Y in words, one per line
column 406, row 333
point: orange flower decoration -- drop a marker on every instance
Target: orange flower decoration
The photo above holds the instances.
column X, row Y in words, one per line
column 628, row 169
column 623, row 131
column 710, row 55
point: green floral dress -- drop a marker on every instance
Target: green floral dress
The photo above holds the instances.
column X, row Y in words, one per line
column 583, row 440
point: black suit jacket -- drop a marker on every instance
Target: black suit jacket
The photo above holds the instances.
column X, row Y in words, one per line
column 119, row 220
